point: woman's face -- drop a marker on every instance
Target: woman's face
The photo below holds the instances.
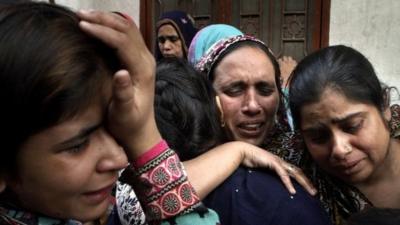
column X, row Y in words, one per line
column 69, row 170
column 245, row 84
column 169, row 42
column 348, row 139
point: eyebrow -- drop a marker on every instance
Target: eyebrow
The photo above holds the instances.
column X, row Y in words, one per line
column 265, row 84
column 347, row 117
column 81, row 134
column 319, row 125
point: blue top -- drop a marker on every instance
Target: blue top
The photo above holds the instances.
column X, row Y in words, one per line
column 259, row 198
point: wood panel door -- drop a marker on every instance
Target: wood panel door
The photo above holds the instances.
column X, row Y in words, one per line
column 289, row 27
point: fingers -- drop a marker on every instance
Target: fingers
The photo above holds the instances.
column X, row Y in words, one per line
column 106, row 19
column 285, row 177
column 301, row 178
column 123, row 35
column 122, row 92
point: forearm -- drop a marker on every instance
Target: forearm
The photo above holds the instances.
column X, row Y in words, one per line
column 159, row 179
column 210, row 169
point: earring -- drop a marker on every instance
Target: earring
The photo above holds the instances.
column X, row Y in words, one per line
column 221, row 111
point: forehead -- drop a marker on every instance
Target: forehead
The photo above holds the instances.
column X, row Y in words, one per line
column 167, row 29
column 248, row 64
column 331, row 106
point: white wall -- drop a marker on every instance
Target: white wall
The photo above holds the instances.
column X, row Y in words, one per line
column 130, row 7
column 372, row 27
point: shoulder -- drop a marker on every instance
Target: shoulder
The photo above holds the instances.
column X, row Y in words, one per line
column 259, row 197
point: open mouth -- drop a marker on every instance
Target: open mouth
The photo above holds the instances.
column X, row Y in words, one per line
column 251, row 129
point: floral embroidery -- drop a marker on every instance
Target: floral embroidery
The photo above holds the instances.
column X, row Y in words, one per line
column 186, row 194
column 160, row 177
column 170, row 203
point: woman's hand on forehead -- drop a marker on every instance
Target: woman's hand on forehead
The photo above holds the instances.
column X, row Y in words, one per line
column 131, row 113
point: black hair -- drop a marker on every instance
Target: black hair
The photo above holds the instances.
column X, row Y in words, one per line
column 50, row 71
column 341, row 68
column 185, row 108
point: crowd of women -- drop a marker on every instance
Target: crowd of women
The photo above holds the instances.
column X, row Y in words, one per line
column 95, row 130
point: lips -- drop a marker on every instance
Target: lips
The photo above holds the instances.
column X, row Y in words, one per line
column 99, row 195
column 350, row 167
column 251, row 128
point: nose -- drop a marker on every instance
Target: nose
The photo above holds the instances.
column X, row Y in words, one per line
column 113, row 157
column 167, row 45
column 251, row 103
column 341, row 146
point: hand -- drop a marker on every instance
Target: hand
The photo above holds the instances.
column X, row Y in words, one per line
column 254, row 157
column 286, row 66
column 131, row 112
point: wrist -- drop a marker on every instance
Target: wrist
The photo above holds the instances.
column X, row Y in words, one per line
column 142, row 141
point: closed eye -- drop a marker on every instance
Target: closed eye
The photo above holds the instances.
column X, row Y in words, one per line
column 265, row 89
column 353, row 127
column 235, row 89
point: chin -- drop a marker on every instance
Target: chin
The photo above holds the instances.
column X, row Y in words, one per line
column 253, row 141
column 92, row 213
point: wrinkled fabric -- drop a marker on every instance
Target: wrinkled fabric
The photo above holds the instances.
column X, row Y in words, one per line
column 207, row 37
column 250, row 197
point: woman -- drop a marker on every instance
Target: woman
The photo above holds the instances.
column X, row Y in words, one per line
column 185, row 108
column 349, row 128
column 73, row 117
column 186, row 115
column 175, row 30
column 251, row 100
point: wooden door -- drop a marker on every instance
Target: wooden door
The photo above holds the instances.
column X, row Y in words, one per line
column 288, row 27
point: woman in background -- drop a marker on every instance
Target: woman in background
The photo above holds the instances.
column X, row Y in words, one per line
column 175, row 30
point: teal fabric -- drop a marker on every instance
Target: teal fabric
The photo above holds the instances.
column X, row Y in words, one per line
column 209, row 218
column 207, row 37
column 15, row 216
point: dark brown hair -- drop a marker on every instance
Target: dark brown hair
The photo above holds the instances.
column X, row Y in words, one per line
column 50, row 71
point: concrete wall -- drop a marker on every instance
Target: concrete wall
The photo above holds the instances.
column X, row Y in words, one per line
column 131, row 7
column 372, row 27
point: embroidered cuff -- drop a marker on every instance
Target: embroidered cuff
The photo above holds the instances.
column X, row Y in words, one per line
column 163, row 187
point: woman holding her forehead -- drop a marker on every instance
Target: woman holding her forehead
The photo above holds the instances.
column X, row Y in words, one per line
column 351, row 131
column 73, row 118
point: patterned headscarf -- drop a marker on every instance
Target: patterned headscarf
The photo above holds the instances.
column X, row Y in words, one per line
column 207, row 37
column 207, row 62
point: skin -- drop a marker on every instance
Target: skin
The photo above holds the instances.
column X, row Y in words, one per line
column 74, row 179
column 351, row 141
column 69, row 170
column 170, row 48
column 249, row 98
